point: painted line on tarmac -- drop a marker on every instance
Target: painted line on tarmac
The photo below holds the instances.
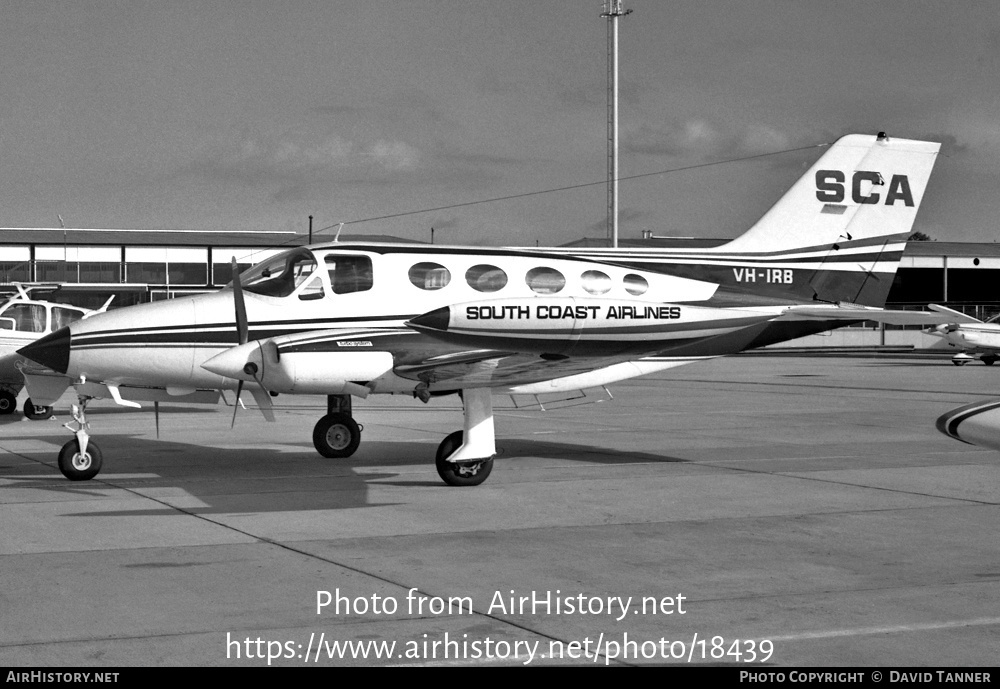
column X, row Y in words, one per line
column 896, row 629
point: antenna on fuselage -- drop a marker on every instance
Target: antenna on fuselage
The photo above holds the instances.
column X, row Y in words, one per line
column 336, row 237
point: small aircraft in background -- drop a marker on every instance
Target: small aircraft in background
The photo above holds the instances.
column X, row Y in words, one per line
column 355, row 319
column 22, row 321
column 969, row 334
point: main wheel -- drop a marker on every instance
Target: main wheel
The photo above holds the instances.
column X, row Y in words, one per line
column 36, row 413
column 460, row 473
column 79, row 466
column 989, row 360
column 336, row 435
column 8, row 402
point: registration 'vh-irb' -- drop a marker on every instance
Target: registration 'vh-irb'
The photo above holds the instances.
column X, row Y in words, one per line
column 350, row 320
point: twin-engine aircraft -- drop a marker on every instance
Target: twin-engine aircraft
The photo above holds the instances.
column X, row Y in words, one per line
column 355, row 319
column 970, row 335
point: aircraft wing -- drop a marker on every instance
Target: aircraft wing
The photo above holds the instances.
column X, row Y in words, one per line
column 318, row 362
column 483, row 368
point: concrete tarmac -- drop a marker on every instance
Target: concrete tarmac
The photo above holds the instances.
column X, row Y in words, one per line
column 748, row 511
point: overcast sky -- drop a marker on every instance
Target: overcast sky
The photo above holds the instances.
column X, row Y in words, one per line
column 241, row 114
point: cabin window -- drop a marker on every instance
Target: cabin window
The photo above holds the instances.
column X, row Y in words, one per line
column 635, row 284
column 486, row 278
column 430, row 276
column 545, row 280
column 349, row 273
column 596, row 282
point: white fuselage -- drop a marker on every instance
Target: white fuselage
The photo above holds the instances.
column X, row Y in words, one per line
column 165, row 343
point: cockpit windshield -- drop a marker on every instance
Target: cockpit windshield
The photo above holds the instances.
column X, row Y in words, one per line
column 281, row 275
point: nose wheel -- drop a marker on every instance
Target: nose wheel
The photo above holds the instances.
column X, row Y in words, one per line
column 77, row 465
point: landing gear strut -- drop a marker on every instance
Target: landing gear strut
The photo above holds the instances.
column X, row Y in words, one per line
column 80, row 459
column 465, row 458
column 337, row 434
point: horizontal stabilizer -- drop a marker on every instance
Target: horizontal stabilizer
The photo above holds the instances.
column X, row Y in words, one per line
column 953, row 316
column 859, row 313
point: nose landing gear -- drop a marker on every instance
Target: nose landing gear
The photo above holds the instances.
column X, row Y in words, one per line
column 80, row 459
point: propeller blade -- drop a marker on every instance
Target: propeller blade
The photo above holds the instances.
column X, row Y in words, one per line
column 236, row 405
column 242, row 328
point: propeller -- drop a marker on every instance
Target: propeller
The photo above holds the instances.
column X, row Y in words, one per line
column 243, row 335
column 242, row 328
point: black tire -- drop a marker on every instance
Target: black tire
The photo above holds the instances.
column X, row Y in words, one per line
column 8, row 402
column 337, row 436
column 77, row 468
column 989, row 360
column 460, row 473
column 36, row 413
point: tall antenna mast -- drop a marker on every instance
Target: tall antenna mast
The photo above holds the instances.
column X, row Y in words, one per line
column 613, row 10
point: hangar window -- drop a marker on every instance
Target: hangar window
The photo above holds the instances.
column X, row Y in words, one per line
column 486, row 278
column 430, row 276
column 349, row 273
column 545, row 280
column 596, row 282
column 635, row 284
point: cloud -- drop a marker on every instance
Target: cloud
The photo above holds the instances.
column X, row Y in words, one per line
column 703, row 139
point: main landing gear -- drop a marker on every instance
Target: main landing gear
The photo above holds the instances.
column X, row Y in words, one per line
column 337, row 435
column 8, row 401
column 464, row 458
column 80, row 459
column 36, row 412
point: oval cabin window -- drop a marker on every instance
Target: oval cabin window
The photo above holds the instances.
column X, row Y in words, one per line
column 486, row 278
column 545, row 280
column 596, row 282
column 430, row 276
column 635, row 284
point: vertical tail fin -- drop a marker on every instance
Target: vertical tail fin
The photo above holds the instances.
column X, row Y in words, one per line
column 863, row 187
column 840, row 231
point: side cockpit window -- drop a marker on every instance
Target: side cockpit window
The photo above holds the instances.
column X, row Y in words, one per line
column 281, row 275
column 349, row 273
column 62, row 316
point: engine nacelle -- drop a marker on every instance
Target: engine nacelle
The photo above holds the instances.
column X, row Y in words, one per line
column 280, row 365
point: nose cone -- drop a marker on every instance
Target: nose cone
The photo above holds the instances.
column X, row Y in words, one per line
column 437, row 319
column 51, row 351
column 233, row 362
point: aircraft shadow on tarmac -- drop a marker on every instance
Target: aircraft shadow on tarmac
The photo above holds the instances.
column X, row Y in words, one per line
column 256, row 480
